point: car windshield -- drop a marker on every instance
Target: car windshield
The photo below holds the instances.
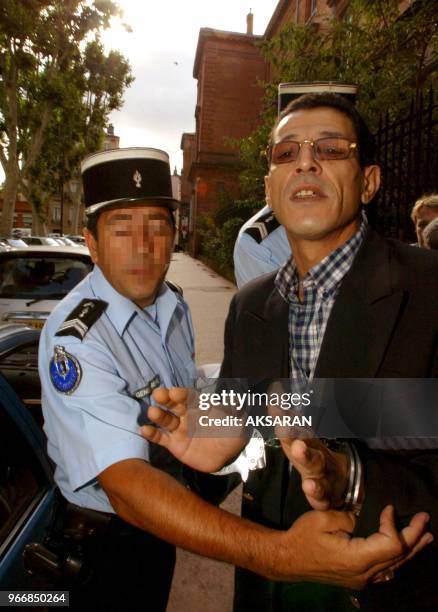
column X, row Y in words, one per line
column 37, row 277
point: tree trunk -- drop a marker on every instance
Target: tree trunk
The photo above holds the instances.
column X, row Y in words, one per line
column 10, row 164
column 77, row 225
column 39, row 226
column 9, row 199
column 39, row 203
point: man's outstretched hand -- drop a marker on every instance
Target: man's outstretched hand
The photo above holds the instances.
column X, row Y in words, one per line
column 329, row 554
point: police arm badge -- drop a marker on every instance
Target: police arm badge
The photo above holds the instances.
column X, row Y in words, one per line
column 65, row 371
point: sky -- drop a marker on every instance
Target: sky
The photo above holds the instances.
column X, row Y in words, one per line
column 160, row 104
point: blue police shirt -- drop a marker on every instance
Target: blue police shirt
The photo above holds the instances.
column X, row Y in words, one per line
column 95, row 425
column 261, row 247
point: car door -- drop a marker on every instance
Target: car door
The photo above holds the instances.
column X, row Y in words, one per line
column 27, row 490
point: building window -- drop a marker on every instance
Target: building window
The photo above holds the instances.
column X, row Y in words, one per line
column 56, row 214
column 311, row 6
column 27, row 219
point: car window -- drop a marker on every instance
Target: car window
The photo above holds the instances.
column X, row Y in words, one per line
column 16, row 242
column 20, row 368
column 36, row 276
column 22, row 480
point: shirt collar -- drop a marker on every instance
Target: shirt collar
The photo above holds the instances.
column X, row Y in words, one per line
column 121, row 310
column 327, row 274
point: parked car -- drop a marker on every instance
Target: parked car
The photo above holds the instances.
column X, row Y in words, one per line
column 35, row 552
column 77, row 239
column 4, row 245
column 34, row 279
column 40, row 240
column 17, row 243
column 63, row 240
column 27, row 489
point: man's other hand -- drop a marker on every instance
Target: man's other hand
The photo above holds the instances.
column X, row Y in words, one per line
column 324, row 473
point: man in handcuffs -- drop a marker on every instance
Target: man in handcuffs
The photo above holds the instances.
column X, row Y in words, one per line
column 348, row 304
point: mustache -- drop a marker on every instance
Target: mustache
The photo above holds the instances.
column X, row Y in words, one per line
column 306, row 182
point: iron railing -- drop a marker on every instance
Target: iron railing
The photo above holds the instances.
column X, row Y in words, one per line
column 408, row 155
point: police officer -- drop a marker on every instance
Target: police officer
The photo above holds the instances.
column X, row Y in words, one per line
column 261, row 247
column 119, row 334
column 105, row 348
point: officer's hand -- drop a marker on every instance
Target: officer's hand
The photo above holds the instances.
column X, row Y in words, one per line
column 177, row 419
column 328, row 553
column 324, row 473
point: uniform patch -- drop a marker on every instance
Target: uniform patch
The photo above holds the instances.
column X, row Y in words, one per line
column 82, row 318
column 65, row 371
column 264, row 226
column 143, row 396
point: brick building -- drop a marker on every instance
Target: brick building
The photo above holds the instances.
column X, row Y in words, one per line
column 228, row 66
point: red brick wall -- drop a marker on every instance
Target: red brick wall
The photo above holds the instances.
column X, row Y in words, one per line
column 188, row 146
column 214, row 185
column 228, row 67
column 228, row 95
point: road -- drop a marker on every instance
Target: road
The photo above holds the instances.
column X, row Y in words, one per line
column 202, row 585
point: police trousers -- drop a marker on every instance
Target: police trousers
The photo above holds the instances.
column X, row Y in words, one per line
column 128, row 569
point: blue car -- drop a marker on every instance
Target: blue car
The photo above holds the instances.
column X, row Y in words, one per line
column 27, row 489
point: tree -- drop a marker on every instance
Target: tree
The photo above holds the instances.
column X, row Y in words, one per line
column 56, row 91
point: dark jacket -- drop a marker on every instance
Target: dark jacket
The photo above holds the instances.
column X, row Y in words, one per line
column 383, row 324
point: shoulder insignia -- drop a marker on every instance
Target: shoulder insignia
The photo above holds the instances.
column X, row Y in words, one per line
column 82, row 318
column 261, row 228
column 65, row 371
column 174, row 287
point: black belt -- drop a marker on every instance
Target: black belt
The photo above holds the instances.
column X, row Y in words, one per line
column 81, row 523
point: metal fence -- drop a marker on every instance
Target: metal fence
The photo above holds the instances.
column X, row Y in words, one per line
column 408, row 154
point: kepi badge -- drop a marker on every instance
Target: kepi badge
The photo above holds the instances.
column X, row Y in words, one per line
column 65, row 371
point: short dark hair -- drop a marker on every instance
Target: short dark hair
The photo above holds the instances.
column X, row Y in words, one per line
column 91, row 222
column 365, row 139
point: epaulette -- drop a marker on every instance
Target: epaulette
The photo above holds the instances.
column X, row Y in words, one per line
column 174, row 287
column 82, row 318
column 261, row 228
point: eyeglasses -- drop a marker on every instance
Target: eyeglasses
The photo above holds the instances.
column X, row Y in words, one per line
column 324, row 149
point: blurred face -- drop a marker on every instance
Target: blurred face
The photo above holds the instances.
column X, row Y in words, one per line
column 319, row 200
column 424, row 216
column 133, row 250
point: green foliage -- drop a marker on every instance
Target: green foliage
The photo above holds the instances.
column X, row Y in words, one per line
column 391, row 57
column 217, row 242
column 57, row 89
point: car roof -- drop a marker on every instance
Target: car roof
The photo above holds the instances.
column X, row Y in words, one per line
column 49, row 250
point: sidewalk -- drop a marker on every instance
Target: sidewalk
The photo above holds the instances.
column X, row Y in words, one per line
column 199, row 584
column 208, row 296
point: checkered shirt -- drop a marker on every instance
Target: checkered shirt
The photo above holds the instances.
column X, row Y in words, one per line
column 308, row 319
